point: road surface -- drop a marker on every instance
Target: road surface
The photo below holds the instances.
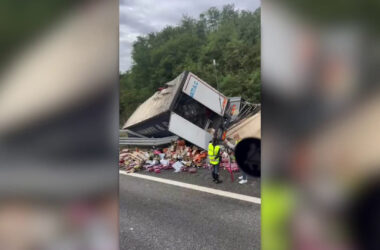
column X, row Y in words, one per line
column 156, row 215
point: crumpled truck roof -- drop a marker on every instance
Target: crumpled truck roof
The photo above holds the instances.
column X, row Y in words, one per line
column 158, row 103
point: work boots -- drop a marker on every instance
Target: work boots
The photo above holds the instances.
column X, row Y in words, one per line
column 217, row 181
column 213, row 177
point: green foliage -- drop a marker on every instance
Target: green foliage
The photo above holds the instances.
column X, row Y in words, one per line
column 229, row 36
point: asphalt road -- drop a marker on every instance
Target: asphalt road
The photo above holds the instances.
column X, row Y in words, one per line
column 203, row 178
column 160, row 216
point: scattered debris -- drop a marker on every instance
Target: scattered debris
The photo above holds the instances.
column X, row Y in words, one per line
column 178, row 157
column 177, row 166
column 192, row 170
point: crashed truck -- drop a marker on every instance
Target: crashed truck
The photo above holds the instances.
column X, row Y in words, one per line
column 189, row 108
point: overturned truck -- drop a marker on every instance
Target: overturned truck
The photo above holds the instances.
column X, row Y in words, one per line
column 187, row 107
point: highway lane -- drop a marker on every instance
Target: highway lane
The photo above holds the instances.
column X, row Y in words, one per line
column 156, row 215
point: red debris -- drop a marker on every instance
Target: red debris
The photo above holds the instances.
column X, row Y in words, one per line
column 192, row 170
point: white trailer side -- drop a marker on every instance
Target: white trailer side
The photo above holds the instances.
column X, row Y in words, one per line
column 205, row 94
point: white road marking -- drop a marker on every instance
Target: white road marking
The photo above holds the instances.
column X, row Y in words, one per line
column 196, row 187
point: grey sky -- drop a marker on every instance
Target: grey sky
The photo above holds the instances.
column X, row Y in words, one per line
column 140, row 17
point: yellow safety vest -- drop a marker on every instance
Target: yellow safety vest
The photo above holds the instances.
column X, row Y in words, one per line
column 213, row 154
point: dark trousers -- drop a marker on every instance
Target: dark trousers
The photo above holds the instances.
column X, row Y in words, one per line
column 215, row 172
column 215, row 168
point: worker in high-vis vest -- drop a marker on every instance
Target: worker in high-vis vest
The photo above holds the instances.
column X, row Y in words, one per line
column 214, row 158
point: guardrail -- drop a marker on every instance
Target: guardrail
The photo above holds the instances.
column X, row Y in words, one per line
column 134, row 141
column 132, row 133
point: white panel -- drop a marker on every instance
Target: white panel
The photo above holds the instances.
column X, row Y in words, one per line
column 205, row 94
column 188, row 131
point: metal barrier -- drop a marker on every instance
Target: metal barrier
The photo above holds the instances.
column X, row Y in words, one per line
column 128, row 141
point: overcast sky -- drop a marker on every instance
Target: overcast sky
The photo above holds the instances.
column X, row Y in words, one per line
column 140, row 17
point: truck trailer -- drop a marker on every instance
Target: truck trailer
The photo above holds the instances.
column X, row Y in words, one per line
column 186, row 106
